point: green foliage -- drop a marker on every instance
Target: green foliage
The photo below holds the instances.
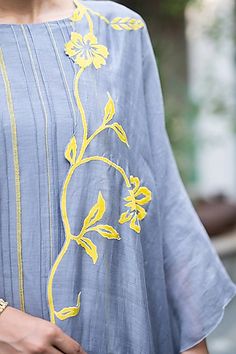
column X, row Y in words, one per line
column 165, row 19
column 180, row 128
column 172, row 8
column 180, row 112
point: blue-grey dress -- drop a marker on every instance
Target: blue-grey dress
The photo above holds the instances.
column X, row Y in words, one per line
column 97, row 232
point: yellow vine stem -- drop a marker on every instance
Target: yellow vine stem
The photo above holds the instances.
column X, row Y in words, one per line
column 80, row 161
column 110, row 163
column 98, row 14
column 51, row 278
column 99, row 130
column 90, row 22
column 68, row 237
column 65, row 219
column 82, row 112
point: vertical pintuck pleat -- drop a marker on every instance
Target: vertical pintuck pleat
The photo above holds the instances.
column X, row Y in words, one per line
column 54, row 112
column 14, row 138
column 38, row 118
column 37, row 164
column 5, row 226
column 63, row 74
column 2, row 280
column 45, row 113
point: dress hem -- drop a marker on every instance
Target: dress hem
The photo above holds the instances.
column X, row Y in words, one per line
column 212, row 328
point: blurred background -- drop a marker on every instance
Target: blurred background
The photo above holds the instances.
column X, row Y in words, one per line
column 194, row 43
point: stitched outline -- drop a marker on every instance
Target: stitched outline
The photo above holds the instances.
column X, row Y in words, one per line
column 17, row 179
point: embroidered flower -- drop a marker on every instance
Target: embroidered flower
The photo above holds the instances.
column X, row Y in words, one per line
column 85, row 50
column 138, row 196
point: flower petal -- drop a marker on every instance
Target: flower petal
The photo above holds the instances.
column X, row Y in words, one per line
column 130, row 197
column 90, row 37
column 134, row 224
column 136, row 182
column 131, row 205
column 141, row 212
column 101, row 50
column 125, row 217
column 146, row 193
column 71, row 49
column 74, row 45
column 83, row 62
column 77, row 38
column 98, row 61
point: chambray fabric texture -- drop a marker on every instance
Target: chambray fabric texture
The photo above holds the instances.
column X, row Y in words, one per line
column 157, row 292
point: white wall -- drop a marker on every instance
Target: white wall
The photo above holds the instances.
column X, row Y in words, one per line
column 212, row 86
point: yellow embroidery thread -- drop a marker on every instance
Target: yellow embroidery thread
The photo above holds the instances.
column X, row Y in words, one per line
column 68, row 312
column 136, row 212
column 85, row 51
column 126, row 23
column 117, row 23
column 17, row 179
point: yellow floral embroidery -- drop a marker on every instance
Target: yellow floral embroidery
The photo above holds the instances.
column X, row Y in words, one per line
column 95, row 214
column 70, row 153
column 137, row 196
column 117, row 23
column 85, row 50
column 126, row 23
column 14, row 138
column 79, row 12
column 68, row 312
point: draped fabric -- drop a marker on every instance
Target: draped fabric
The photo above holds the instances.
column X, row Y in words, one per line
column 97, row 232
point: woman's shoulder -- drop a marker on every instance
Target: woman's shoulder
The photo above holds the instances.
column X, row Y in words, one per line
column 111, row 9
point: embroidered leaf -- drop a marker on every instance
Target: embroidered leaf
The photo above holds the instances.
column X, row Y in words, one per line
column 68, row 312
column 106, row 231
column 109, row 110
column 120, row 132
column 133, row 220
column 71, row 150
column 96, row 213
column 89, row 246
column 79, row 12
column 125, row 217
column 126, row 23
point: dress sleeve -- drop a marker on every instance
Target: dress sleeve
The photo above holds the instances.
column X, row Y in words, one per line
column 198, row 286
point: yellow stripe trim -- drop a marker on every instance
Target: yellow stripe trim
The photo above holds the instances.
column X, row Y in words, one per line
column 17, row 179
